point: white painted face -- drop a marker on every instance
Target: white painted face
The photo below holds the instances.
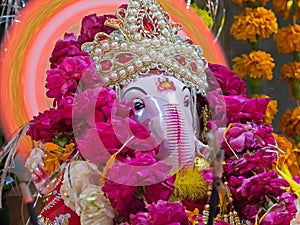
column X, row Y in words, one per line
column 163, row 104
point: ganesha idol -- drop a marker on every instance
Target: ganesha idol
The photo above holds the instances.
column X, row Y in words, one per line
column 135, row 124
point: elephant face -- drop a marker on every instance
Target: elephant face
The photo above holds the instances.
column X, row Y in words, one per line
column 163, row 104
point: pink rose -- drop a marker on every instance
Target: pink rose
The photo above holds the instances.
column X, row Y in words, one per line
column 68, row 47
column 62, row 81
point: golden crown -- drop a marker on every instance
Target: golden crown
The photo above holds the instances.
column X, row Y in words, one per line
column 145, row 39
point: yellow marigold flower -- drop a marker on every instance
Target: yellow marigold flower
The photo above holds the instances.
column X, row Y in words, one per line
column 271, row 109
column 290, row 71
column 284, row 7
column 55, row 156
column 290, row 122
column 256, row 64
column 253, row 23
column 241, row 2
column 287, row 39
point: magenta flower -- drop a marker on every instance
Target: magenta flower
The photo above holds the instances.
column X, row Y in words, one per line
column 283, row 212
column 160, row 191
column 161, row 213
column 140, row 170
column 62, row 81
column 122, row 198
column 243, row 109
column 46, row 125
column 68, row 47
column 256, row 162
column 230, row 83
column 254, row 189
column 246, row 137
column 94, row 105
column 93, row 24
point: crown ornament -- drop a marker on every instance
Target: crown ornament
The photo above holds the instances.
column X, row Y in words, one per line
column 146, row 40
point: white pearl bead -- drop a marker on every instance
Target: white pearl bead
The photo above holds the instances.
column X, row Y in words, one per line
column 122, row 73
column 152, row 53
column 138, row 63
column 176, row 67
column 146, row 59
column 172, row 49
column 137, row 37
column 130, row 19
column 146, row 42
column 96, row 59
column 153, row 8
column 165, row 32
column 132, row 48
column 98, row 51
column 166, row 51
column 130, row 69
column 124, row 46
column 160, row 57
column 141, row 50
column 156, row 42
column 168, row 62
column 162, row 24
column 105, row 46
column 114, row 76
column 115, row 45
column 135, row 5
column 132, row 29
column 177, row 48
column 105, row 79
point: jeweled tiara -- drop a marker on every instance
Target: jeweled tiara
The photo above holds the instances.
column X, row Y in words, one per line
column 145, row 39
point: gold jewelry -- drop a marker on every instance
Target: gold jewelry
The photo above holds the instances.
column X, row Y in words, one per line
column 145, row 39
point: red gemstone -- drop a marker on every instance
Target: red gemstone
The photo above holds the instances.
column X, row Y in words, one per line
column 122, row 12
column 189, row 41
column 101, row 37
column 124, row 58
column 180, row 59
column 193, row 67
column 167, row 16
column 106, row 65
column 148, row 24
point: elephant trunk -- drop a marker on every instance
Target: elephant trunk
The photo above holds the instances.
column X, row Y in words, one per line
column 178, row 139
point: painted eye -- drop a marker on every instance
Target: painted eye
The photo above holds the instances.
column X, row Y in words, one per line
column 186, row 101
column 138, row 104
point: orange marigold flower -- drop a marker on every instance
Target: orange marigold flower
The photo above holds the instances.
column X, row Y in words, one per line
column 290, row 122
column 290, row 71
column 55, row 156
column 256, row 64
column 287, row 39
column 253, row 23
column 271, row 109
column 284, row 7
column 288, row 156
